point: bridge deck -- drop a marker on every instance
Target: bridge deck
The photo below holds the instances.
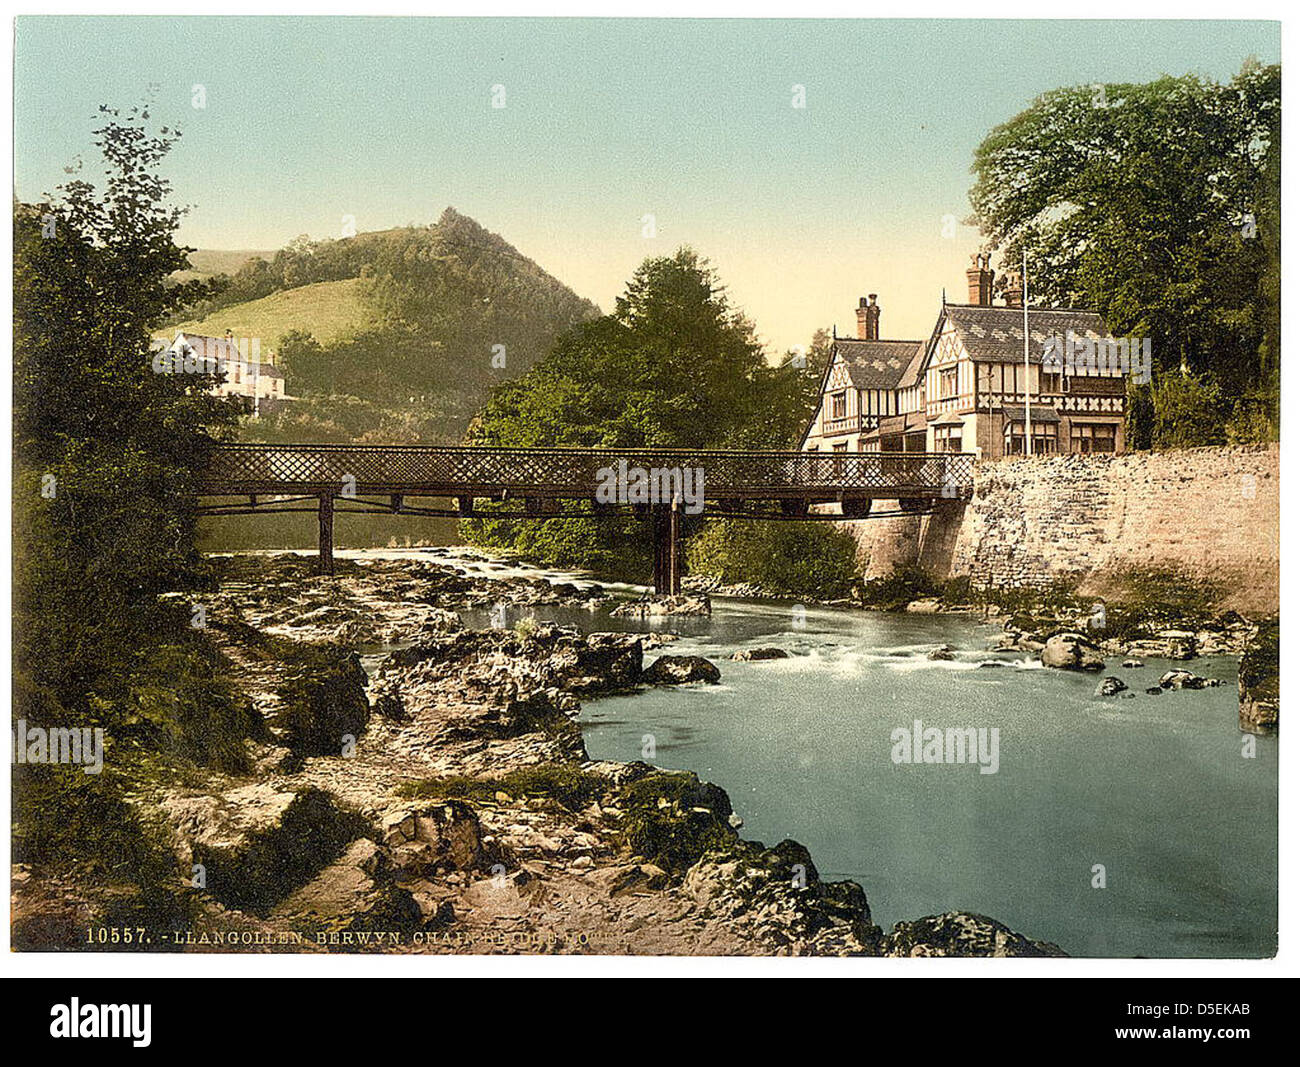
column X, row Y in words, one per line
column 249, row 469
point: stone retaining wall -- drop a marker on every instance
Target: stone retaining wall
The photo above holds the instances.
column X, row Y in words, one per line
column 1088, row 520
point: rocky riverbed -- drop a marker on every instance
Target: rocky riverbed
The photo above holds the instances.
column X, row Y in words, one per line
column 442, row 800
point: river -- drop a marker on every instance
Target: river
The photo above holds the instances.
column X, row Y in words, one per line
column 1154, row 789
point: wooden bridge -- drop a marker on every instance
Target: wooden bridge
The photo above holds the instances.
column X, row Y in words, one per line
column 534, row 483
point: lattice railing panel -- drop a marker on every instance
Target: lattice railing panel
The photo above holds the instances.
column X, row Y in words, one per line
column 240, row 469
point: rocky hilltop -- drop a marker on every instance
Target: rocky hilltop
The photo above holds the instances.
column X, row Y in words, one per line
column 443, row 799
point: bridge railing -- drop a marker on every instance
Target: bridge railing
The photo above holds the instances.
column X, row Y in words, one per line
column 450, row 471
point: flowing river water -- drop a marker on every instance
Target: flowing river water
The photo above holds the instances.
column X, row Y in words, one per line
column 1154, row 789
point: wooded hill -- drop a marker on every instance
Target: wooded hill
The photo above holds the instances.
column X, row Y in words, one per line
column 414, row 326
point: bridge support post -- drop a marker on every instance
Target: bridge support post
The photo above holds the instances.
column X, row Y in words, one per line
column 675, row 548
column 325, row 555
column 666, row 522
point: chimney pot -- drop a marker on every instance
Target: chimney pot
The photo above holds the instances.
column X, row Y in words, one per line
column 868, row 318
column 979, row 280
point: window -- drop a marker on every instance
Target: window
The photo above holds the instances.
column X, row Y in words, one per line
column 1044, row 438
column 1051, row 382
column 947, row 382
column 840, row 446
column 947, row 439
column 839, row 405
column 1092, row 437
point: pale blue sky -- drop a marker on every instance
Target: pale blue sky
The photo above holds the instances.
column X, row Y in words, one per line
column 390, row 120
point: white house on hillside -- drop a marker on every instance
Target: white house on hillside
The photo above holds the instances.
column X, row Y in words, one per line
column 246, row 374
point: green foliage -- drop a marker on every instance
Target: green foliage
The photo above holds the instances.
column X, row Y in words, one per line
column 894, row 591
column 564, row 783
column 1187, row 410
column 1148, row 599
column 1159, row 205
column 179, row 704
column 619, row 547
column 801, row 559
column 673, row 819
column 525, row 628
column 1260, row 663
column 106, row 453
column 675, row 366
column 810, row 365
column 64, row 818
column 106, row 449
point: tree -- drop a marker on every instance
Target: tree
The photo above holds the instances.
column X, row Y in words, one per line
column 106, row 448
column 674, row 366
column 305, row 362
column 1158, row 205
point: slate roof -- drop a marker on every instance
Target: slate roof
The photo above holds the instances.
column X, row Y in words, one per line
column 1016, row 412
column 877, row 364
column 911, row 422
column 996, row 334
column 219, row 350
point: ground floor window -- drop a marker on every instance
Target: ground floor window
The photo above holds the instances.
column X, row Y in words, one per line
column 840, row 446
column 947, row 439
column 1092, row 437
column 1044, row 438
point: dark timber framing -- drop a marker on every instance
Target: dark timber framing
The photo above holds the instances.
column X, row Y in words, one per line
column 382, row 479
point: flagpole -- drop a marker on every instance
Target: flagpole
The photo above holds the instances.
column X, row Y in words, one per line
column 1024, row 299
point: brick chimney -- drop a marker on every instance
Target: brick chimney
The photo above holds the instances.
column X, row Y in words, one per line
column 868, row 318
column 979, row 280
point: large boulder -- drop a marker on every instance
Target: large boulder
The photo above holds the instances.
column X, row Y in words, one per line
column 429, row 838
column 1072, row 652
column 960, row 933
column 746, row 655
column 1186, row 680
column 652, row 607
column 254, row 845
column 778, row 898
column 1110, row 686
column 678, row 670
column 355, row 892
column 601, row 662
column 323, row 702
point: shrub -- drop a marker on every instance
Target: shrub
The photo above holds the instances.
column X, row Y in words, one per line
column 567, row 785
column 801, row 559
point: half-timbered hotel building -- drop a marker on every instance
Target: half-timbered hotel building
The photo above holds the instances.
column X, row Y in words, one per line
column 963, row 388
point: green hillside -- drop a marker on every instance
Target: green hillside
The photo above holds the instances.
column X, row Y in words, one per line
column 398, row 334
column 329, row 311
